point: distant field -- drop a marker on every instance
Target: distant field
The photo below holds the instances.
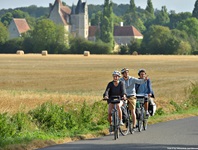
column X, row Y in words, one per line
column 29, row 80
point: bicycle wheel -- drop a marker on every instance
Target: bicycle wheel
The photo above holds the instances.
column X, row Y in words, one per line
column 124, row 130
column 145, row 124
column 115, row 122
column 140, row 121
column 130, row 122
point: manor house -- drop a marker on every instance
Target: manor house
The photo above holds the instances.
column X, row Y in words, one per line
column 76, row 22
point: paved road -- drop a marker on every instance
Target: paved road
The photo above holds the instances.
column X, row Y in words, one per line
column 176, row 134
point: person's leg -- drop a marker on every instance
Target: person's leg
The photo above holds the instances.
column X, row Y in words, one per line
column 109, row 112
column 132, row 107
column 110, row 107
column 146, row 107
column 118, row 106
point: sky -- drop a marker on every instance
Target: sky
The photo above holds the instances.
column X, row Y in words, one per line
column 177, row 5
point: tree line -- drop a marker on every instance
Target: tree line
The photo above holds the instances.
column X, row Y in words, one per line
column 164, row 32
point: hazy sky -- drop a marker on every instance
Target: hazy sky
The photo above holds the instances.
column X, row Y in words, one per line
column 177, row 5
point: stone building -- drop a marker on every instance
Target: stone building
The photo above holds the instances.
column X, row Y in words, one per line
column 17, row 27
column 75, row 20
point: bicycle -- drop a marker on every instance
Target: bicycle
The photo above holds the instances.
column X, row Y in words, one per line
column 129, row 123
column 115, row 119
column 140, row 112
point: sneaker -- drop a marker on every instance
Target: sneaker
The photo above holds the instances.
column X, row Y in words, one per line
column 111, row 128
column 133, row 130
column 147, row 113
column 121, row 123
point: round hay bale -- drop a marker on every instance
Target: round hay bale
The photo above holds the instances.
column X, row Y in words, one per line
column 44, row 53
column 135, row 53
column 86, row 53
column 20, row 52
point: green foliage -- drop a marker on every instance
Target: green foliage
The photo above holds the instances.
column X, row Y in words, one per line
column 21, row 121
column 195, row 10
column 79, row 45
column 6, row 19
column 176, row 106
column 7, row 127
column 135, row 46
column 149, row 8
column 159, row 112
column 132, row 7
column 175, row 19
column 124, row 49
column 3, row 34
column 193, row 98
column 50, row 117
column 159, row 40
column 107, row 23
column 12, row 45
column 162, row 18
column 189, row 26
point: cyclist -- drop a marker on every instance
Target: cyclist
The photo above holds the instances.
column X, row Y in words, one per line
column 145, row 89
column 115, row 88
column 130, row 91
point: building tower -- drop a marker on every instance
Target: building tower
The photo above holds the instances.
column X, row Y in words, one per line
column 79, row 20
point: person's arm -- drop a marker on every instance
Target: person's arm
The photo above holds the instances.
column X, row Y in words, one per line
column 150, row 90
column 139, row 81
column 123, row 90
column 106, row 93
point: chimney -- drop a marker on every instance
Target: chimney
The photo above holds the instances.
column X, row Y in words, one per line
column 121, row 24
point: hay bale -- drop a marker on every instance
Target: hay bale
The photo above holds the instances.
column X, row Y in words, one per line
column 86, row 53
column 135, row 53
column 44, row 53
column 20, row 52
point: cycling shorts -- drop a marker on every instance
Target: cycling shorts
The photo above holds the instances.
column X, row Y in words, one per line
column 132, row 102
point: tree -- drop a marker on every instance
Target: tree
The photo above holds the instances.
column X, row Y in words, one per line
column 184, row 48
column 159, row 40
column 175, row 19
column 96, row 18
column 162, row 17
column 6, row 19
column 47, row 35
column 132, row 7
column 195, row 10
column 131, row 18
column 189, row 25
column 150, row 9
column 149, row 13
column 19, row 14
column 3, row 33
column 107, row 23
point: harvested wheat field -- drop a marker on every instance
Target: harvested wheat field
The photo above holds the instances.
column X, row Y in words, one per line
column 29, row 80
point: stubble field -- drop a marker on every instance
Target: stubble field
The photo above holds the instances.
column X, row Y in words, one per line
column 27, row 81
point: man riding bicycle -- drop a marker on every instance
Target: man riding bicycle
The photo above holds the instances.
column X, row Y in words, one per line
column 130, row 91
column 115, row 88
column 145, row 89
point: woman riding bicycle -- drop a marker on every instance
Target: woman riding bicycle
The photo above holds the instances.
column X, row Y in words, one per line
column 115, row 88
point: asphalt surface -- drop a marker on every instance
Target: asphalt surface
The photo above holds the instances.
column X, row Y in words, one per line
column 176, row 134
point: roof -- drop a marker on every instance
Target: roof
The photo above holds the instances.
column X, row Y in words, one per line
column 126, row 31
column 64, row 10
column 80, row 8
column 118, row 31
column 21, row 25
